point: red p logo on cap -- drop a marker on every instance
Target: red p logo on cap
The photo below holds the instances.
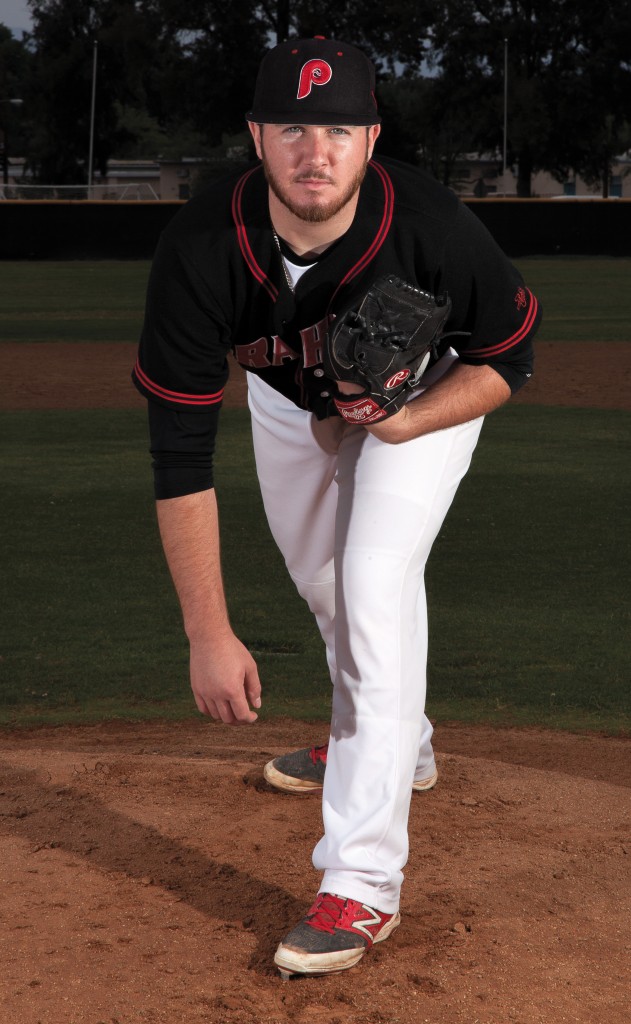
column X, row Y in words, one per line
column 314, row 72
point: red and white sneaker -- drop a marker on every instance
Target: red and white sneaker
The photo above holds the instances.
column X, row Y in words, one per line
column 333, row 935
column 302, row 771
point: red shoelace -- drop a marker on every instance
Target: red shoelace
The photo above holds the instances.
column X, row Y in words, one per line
column 330, row 912
column 319, row 753
column 326, row 912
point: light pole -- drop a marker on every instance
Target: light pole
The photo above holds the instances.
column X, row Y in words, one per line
column 505, row 112
column 92, row 109
column 5, row 141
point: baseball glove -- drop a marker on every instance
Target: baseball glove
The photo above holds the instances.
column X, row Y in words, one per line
column 385, row 347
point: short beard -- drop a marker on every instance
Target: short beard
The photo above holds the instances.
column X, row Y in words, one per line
column 317, row 213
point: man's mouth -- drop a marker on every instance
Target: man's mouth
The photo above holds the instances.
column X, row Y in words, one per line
column 313, row 179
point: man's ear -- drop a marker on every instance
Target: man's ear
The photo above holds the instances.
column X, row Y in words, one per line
column 255, row 131
column 373, row 134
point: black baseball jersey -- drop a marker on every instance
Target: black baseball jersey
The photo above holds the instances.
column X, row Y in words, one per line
column 218, row 286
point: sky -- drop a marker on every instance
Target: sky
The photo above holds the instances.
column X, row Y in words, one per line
column 15, row 15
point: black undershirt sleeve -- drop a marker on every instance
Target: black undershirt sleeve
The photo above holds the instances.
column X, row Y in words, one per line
column 182, row 445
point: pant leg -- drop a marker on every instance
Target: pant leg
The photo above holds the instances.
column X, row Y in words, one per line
column 392, row 502
column 296, row 462
column 296, row 459
column 311, row 480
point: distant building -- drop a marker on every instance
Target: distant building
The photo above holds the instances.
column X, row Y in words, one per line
column 475, row 174
column 480, row 175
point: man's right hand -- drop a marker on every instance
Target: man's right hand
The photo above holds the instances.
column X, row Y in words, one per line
column 225, row 680
column 224, row 676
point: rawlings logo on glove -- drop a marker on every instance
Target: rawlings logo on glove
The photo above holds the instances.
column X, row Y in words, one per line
column 384, row 347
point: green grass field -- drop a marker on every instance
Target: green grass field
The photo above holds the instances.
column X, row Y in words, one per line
column 91, row 301
column 528, row 582
column 583, row 299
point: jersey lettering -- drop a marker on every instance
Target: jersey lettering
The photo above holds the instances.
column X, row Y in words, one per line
column 281, row 351
column 254, row 354
column 312, row 341
column 274, row 351
column 264, row 352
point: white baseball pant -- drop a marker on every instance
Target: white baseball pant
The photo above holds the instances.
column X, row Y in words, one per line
column 355, row 520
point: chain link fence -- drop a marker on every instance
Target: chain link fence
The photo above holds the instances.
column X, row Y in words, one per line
column 130, row 192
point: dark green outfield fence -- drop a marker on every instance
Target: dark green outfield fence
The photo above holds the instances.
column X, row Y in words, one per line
column 82, row 229
column 42, row 229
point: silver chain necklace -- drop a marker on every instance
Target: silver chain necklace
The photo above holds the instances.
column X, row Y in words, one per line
column 283, row 264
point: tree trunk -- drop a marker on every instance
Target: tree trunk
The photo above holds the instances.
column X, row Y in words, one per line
column 282, row 20
column 606, row 177
column 524, row 174
column 4, row 158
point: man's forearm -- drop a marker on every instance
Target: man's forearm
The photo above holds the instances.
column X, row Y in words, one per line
column 190, row 536
column 224, row 677
column 464, row 393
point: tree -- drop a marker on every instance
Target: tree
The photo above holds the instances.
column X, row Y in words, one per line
column 592, row 102
column 219, row 46
column 63, row 39
column 559, row 52
column 174, row 75
column 392, row 32
column 429, row 121
column 15, row 69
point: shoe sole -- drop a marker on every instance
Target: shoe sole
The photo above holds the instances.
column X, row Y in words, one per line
column 422, row 785
column 289, row 963
column 289, row 784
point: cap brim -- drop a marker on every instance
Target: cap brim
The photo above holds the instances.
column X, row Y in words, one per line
column 315, row 118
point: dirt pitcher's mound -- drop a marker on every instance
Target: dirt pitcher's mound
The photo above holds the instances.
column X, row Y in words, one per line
column 148, row 873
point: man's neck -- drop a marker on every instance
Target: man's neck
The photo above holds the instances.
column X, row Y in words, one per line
column 305, row 238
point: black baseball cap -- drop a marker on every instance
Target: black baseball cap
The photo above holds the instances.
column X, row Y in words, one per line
column 315, row 81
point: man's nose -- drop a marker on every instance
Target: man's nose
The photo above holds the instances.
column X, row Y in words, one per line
column 315, row 152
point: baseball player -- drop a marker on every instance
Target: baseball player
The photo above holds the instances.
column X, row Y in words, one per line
column 263, row 265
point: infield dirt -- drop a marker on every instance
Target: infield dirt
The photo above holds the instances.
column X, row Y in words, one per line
column 70, row 375
column 148, row 873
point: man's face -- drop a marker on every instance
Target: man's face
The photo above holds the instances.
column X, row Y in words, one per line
column 314, row 170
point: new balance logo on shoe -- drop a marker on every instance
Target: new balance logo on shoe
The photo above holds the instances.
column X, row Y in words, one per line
column 364, row 926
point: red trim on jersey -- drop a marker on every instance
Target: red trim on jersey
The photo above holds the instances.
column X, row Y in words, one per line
column 524, row 330
column 175, row 396
column 382, row 231
column 242, row 237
